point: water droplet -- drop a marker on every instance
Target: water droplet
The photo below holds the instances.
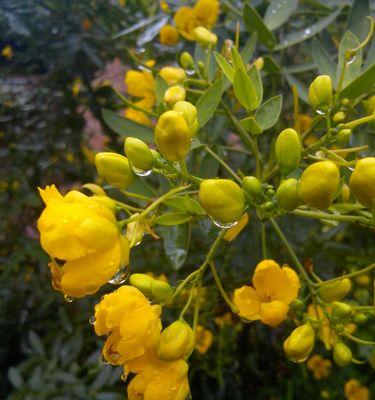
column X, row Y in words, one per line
column 321, row 112
column 273, row 11
column 351, row 59
column 92, row 320
column 104, row 360
column 68, row 298
column 140, row 172
column 351, row 168
column 190, row 72
column 154, row 372
column 223, row 225
column 120, row 276
column 307, row 32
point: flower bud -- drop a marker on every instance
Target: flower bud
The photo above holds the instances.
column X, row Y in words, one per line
column 341, row 311
column 189, row 112
column 363, row 280
column 176, row 341
column 252, row 186
column 339, row 117
column 343, row 135
column 174, row 94
column 319, row 184
column 320, row 93
column 155, row 154
column 172, row 75
column 142, row 282
column 360, row 319
column 345, row 193
column 259, row 63
column 222, row 199
column 172, row 135
column 186, row 60
column 370, row 105
column 115, row 169
column 288, row 150
column 204, row 37
column 342, row 355
column 287, row 194
column 296, row 305
column 362, row 182
column 335, row 291
column 300, row 343
column 139, row 154
column 161, row 291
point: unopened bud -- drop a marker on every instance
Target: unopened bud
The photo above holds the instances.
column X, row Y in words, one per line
column 142, row 282
column 300, row 343
column 342, row 354
column 161, row 291
column 253, row 187
column 259, row 63
column 186, row 60
column 204, row 37
column 287, row 194
column 288, row 150
column 362, row 182
column 189, row 112
column 320, row 93
column 339, row 117
column 138, row 153
column 172, row 75
column 343, row 135
column 335, row 291
column 341, row 311
column 174, row 94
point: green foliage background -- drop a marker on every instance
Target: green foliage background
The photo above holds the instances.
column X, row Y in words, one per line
column 48, row 349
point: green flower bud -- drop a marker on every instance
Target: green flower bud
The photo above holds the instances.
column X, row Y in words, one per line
column 287, row 194
column 139, row 154
column 345, row 101
column 319, row 184
column 186, row 60
column 204, row 37
column 360, row 319
column 345, row 193
column 341, row 311
column 174, row 94
column 142, row 282
column 252, row 186
column 320, row 93
column 176, row 341
column 370, row 105
column 339, row 117
column 222, row 199
column 155, row 154
column 342, row 355
column 296, row 305
column 172, row 135
column 362, row 182
column 300, row 343
column 288, row 150
column 161, row 291
column 189, row 112
column 335, row 291
column 114, row 169
column 343, row 135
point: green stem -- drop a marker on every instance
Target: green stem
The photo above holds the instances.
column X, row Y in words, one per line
column 181, row 286
column 187, row 305
column 363, row 308
column 224, row 164
column 132, row 105
column 359, row 121
column 263, row 240
column 197, row 305
column 136, row 195
column 126, row 206
column 225, row 297
column 355, row 273
column 333, row 217
column 358, row 340
column 293, row 256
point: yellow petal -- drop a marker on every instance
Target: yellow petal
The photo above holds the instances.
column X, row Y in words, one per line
column 267, row 278
column 273, row 313
column 233, row 232
column 248, row 303
column 50, row 192
column 288, row 286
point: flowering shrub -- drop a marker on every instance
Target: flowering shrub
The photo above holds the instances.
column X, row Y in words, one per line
column 231, row 144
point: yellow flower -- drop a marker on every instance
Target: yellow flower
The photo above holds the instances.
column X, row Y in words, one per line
column 7, row 52
column 132, row 324
column 157, row 380
column 223, row 320
column 172, row 75
column 83, row 234
column 274, row 289
column 354, row 390
column 186, row 22
column 319, row 366
column 203, row 339
column 76, row 87
column 168, row 35
column 164, row 5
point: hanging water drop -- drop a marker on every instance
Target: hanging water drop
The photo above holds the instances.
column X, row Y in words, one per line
column 92, row 320
column 68, row 298
column 104, row 360
column 120, row 276
column 351, row 59
column 223, row 225
column 321, row 112
column 190, row 72
column 140, row 172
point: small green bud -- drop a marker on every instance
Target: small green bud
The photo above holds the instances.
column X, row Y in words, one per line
column 296, row 305
column 341, row 311
column 345, row 101
column 186, row 60
column 339, row 117
column 142, row 282
column 270, row 192
column 287, row 194
column 138, row 153
column 320, row 93
column 342, row 354
column 268, row 205
column 252, row 186
column 161, row 291
column 288, row 150
column 343, row 135
column 204, row 37
column 360, row 319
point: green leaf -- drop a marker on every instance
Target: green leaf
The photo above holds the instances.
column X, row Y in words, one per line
column 278, row 12
column 364, row 83
column 353, row 69
column 237, row 60
column 268, row 113
column 358, row 24
column 370, row 58
column 249, row 48
column 172, row 218
column 308, row 32
column 254, row 23
column 270, row 65
column 208, row 167
column 125, row 127
column 302, row 89
column 160, row 87
column 185, row 204
column 209, row 101
column 251, row 125
column 323, row 60
column 254, row 75
column 176, row 244
column 15, row 377
column 224, row 65
column 245, row 90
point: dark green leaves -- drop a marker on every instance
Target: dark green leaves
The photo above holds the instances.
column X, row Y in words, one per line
column 209, row 101
column 125, row 127
column 268, row 113
column 353, row 66
column 278, row 12
column 323, row 60
column 224, row 65
column 364, row 83
column 254, row 23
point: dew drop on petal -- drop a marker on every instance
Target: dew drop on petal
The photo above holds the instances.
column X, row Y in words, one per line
column 92, row 320
column 68, row 298
column 120, row 276
column 140, row 172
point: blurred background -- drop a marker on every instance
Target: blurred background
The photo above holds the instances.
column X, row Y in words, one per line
column 57, row 58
